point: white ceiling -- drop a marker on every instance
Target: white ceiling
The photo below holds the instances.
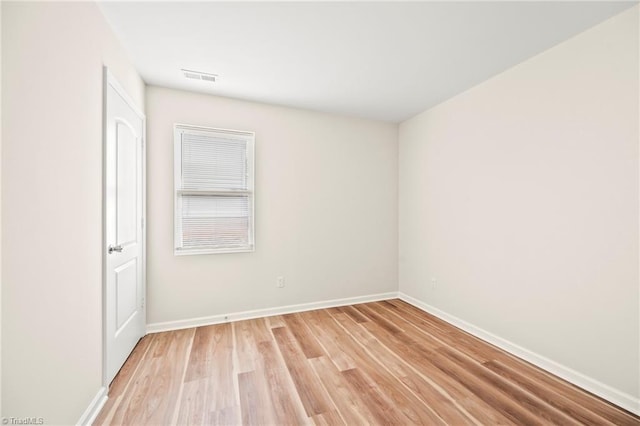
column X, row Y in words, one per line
column 386, row 61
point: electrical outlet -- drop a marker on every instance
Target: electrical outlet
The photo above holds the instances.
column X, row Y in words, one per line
column 280, row 282
column 434, row 283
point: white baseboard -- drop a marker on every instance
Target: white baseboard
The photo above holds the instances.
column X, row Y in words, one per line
column 258, row 313
column 92, row 411
column 621, row 399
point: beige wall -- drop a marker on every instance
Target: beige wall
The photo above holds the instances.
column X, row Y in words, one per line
column 52, row 57
column 326, row 210
column 520, row 197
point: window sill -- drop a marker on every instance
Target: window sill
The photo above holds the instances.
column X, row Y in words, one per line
column 185, row 252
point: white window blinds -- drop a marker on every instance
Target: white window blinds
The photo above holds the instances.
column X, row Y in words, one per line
column 213, row 190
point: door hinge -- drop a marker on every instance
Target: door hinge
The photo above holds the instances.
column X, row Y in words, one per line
column 142, row 302
column 142, row 222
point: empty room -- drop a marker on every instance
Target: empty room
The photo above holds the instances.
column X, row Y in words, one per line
column 349, row 213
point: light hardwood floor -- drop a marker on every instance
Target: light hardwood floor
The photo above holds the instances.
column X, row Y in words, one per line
column 375, row 363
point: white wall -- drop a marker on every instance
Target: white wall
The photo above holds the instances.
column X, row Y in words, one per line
column 52, row 57
column 326, row 210
column 520, row 196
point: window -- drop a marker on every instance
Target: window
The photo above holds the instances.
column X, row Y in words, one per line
column 213, row 190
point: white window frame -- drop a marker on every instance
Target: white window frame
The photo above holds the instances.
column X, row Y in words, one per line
column 249, row 138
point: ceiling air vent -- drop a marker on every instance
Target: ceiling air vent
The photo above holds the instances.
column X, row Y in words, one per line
column 197, row 75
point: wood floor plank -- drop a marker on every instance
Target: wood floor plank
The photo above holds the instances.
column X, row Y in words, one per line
column 255, row 400
column 260, row 330
column 419, row 355
column 245, row 346
column 275, row 321
column 440, row 402
column 123, row 379
column 493, row 397
column 434, row 328
column 157, row 384
column 382, row 408
column 348, row 403
column 330, row 338
column 444, row 406
column 412, row 408
column 559, row 401
column 127, row 371
column 354, row 314
column 330, row 418
column 376, row 363
column 211, row 351
column 366, row 310
column 312, row 394
column 550, row 387
column 367, row 341
column 342, row 349
column 287, row 406
column 306, row 340
column 194, row 402
column 224, row 417
column 482, row 351
column 209, row 384
column 382, row 378
column 526, row 400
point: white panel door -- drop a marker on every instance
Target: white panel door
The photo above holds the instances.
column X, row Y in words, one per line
column 123, row 227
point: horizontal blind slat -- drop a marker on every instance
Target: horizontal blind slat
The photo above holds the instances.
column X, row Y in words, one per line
column 214, row 162
column 213, row 221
